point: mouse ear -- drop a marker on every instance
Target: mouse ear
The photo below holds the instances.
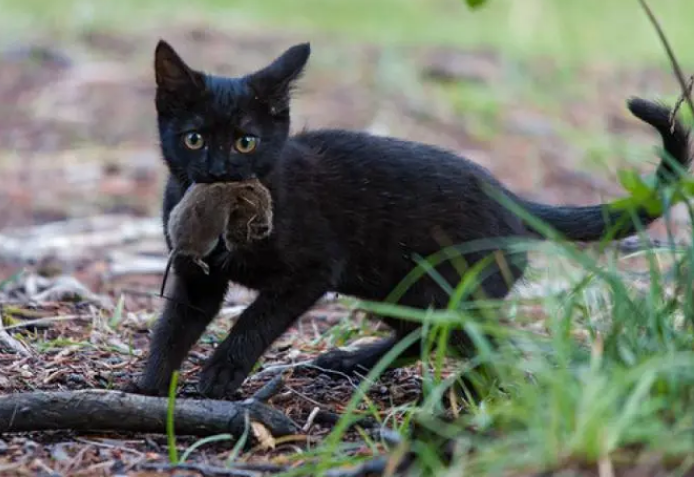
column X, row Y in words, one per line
column 171, row 72
column 272, row 84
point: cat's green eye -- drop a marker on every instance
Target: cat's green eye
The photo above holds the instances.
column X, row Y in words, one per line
column 246, row 144
column 194, row 141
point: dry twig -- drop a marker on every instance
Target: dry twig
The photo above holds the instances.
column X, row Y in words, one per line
column 270, row 389
column 245, row 470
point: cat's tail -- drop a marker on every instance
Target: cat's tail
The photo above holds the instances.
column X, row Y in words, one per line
column 591, row 223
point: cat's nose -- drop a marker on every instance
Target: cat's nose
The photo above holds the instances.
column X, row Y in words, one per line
column 223, row 169
column 217, row 170
column 219, row 175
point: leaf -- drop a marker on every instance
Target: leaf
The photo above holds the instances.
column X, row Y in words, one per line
column 262, row 434
column 642, row 192
column 475, row 3
column 633, row 183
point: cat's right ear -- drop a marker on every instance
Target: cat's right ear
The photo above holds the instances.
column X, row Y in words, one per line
column 273, row 84
column 171, row 72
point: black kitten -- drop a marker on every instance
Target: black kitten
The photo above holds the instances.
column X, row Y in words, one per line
column 351, row 212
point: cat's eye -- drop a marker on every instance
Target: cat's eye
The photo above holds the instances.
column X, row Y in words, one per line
column 194, row 141
column 246, row 144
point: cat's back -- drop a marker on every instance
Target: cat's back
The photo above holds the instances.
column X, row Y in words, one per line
column 358, row 180
column 382, row 199
column 357, row 152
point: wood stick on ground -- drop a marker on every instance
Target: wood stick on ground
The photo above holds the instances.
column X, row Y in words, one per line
column 270, row 389
column 370, row 468
column 246, row 470
column 100, row 410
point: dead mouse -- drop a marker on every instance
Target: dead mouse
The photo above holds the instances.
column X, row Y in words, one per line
column 240, row 211
column 251, row 217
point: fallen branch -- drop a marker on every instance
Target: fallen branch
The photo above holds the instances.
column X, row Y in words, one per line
column 246, row 470
column 371, row 468
column 100, row 410
column 270, row 389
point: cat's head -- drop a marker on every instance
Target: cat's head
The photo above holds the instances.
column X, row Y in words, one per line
column 216, row 128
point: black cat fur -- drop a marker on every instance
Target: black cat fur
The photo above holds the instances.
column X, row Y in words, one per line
column 350, row 212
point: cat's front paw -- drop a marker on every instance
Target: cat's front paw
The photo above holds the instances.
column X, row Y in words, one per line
column 136, row 387
column 221, row 377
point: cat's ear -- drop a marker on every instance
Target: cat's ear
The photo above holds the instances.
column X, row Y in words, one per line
column 171, row 72
column 273, row 84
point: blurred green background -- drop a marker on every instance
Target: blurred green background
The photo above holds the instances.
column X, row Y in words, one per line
column 615, row 30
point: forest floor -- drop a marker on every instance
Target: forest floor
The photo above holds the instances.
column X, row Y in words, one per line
column 81, row 247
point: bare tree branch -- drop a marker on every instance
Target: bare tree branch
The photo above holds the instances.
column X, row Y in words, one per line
column 245, row 470
column 101, row 410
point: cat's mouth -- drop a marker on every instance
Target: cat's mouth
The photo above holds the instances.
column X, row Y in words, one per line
column 227, row 177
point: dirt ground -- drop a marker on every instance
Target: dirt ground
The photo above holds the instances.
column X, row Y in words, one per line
column 79, row 211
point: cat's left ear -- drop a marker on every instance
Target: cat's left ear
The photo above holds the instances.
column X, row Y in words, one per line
column 171, row 72
column 273, row 83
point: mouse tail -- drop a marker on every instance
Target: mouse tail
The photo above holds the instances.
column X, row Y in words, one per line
column 166, row 274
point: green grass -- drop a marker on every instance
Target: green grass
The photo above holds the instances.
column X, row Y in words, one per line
column 170, row 411
column 568, row 31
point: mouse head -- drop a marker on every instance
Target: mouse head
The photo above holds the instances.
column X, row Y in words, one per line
column 215, row 129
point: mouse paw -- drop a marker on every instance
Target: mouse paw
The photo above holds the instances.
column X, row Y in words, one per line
column 205, row 267
column 258, row 230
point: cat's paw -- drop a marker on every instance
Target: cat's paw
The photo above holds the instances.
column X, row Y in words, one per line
column 136, row 387
column 340, row 361
column 221, row 377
